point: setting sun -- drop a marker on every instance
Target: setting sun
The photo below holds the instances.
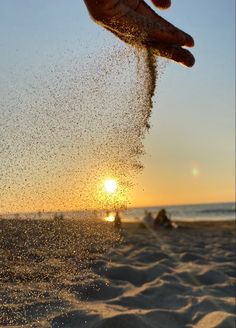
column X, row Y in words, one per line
column 110, row 186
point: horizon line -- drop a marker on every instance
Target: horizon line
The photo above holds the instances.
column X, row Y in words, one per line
column 128, row 208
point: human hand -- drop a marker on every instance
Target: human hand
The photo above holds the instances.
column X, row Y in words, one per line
column 136, row 23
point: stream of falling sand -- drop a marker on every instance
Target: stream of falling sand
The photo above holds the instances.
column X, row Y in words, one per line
column 68, row 130
column 75, row 124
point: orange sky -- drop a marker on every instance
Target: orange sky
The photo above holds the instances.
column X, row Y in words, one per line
column 190, row 148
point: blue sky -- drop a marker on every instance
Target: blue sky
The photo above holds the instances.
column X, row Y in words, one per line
column 192, row 125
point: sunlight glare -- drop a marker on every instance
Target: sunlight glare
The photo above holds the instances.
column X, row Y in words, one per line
column 195, row 172
column 110, row 186
column 110, row 218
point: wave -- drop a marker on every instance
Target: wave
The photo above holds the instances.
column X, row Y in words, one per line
column 218, row 211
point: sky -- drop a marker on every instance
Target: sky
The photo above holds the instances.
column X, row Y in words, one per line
column 190, row 148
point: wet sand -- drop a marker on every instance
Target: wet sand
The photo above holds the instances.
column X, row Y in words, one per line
column 75, row 273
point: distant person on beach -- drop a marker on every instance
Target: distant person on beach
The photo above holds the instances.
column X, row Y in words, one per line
column 134, row 22
column 117, row 220
column 148, row 219
column 162, row 220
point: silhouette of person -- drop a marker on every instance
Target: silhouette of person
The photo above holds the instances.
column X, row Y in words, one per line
column 162, row 220
column 148, row 219
column 117, row 220
column 134, row 22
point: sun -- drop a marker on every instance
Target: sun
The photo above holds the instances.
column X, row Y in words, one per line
column 110, row 186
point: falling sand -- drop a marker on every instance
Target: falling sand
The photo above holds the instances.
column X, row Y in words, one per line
column 80, row 121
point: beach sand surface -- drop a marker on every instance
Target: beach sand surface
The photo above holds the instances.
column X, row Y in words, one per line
column 75, row 273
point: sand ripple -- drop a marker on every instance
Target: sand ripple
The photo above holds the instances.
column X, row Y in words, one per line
column 183, row 278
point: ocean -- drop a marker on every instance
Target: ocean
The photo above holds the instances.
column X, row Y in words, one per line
column 200, row 212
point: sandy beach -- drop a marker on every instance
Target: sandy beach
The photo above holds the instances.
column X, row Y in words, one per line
column 76, row 273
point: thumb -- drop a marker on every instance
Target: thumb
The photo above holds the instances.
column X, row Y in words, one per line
column 162, row 4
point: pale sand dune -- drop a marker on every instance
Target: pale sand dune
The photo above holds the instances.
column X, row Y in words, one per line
column 179, row 278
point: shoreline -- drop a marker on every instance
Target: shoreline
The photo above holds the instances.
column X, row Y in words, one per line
column 223, row 224
column 226, row 223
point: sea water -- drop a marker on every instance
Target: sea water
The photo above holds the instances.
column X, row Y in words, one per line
column 195, row 212
column 198, row 212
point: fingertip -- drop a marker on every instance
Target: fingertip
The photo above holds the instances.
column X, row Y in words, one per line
column 176, row 53
column 162, row 4
column 189, row 41
column 190, row 63
column 184, row 57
